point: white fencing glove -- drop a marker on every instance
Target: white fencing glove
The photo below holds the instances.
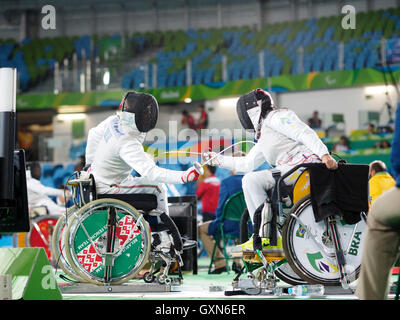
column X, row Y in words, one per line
column 193, row 173
column 211, row 158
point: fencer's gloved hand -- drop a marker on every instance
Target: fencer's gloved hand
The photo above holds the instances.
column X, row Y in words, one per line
column 211, row 158
column 193, row 173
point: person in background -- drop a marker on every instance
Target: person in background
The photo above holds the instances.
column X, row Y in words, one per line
column 343, row 145
column 202, row 122
column 384, row 144
column 39, row 195
column 379, row 179
column 25, row 141
column 371, row 128
column 188, row 119
column 207, row 192
column 207, row 230
column 81, row 163
column 315, row 122
column 382, row 236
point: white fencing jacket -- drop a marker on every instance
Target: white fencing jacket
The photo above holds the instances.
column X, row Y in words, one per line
column 38, row 194
column 114, row 149
column 285, row 140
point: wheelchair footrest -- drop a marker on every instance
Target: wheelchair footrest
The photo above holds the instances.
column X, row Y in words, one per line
column 252, row 257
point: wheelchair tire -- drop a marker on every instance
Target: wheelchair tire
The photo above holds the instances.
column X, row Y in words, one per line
column 307, row 259
column 58, row 245
column 41, row 233
column 285, row 272
column 282, row 268
column 84, row 258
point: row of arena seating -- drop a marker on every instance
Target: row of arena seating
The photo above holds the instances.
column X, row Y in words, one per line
column 35, row 58
column 280, row 42
column 319, row 38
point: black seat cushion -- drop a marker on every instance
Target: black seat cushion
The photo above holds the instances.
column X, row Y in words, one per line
column 140, row 201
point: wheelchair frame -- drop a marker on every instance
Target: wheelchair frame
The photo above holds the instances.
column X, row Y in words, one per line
column 275, row 203
column 84, row 194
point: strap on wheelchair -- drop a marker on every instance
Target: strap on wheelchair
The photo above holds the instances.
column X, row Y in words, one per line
column 176, row 236
column 273, row 238
column 256, row 228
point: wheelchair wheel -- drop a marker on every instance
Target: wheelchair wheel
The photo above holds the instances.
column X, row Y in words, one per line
column 317, row 263
column 285, row 272
column 282, row 268
column 86, row 238
column 58, row 245
column 41, row 232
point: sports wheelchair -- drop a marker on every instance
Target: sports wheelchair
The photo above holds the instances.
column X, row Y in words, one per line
column 110, row 238
column 327, row 252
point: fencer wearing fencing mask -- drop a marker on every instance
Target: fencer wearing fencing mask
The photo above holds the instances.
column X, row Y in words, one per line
column 115, row 148
column 252, row 108
column 141, row 111
column 283, row 141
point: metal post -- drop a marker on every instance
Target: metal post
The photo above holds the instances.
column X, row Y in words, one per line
column 269, row 85
column 261, row 63
column 224, row 68
column 341, row 56
column 189, row 72
column 383, row 51
column 75, row 67
column 146, row 76
column 88, row 75
column 300, row 66
column 154, row 68
column 82, row 82
column 57, row 79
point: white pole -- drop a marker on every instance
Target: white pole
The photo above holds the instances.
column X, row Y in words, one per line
column 261, row 63
column 224, row 68
column 383, row 51
column 154, row 69
column 57, row 79
column 300, row 67
column 88, row 75
column 189, row 72
column 146, row 76
column 341, row 56
column 82, row 82
column 8, row 89
column 8, row 93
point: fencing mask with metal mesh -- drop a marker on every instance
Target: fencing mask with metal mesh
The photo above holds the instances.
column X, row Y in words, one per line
column 140, row 110
column 252, row 108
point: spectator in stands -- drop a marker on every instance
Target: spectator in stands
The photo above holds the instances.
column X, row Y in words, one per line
column 315, row 122
column 379, row 179
column 202, row 122
column 371, row 128
column 207, row 192
column 25, row 141
column 207, row 230
column 382, row 237
column 382, row 144
column 39, row 195
column 81, row 163
column 343, row 145
column 188, row 119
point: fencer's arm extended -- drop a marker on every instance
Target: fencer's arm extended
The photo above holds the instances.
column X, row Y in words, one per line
column 94, row 136
column 250, row 162
column 39, row 188
column 289, row 124
column 135, row 156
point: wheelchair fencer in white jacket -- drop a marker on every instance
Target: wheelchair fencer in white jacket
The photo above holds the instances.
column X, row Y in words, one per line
column 115, row 147
column 283, row 140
